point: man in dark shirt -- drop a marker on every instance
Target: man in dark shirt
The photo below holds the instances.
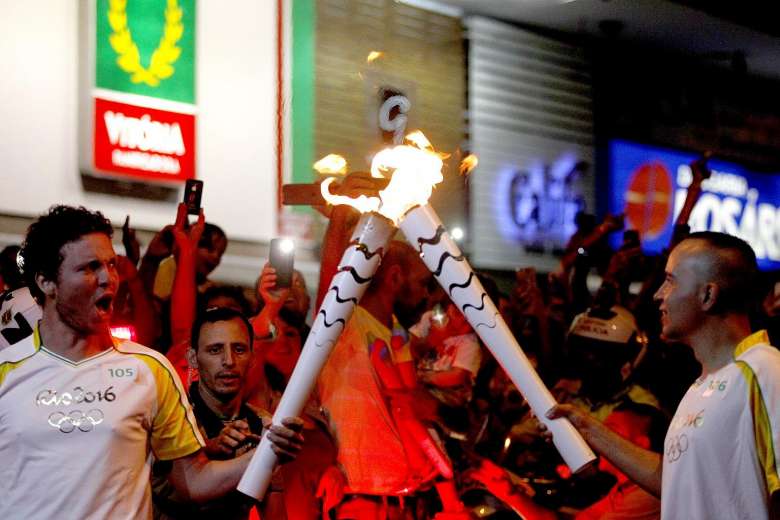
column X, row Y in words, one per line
column 222, row 352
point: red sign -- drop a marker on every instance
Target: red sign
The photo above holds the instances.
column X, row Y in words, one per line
column 145, row 143
column 649, row 199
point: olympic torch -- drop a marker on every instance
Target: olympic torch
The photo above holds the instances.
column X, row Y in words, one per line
column 356, row 269
column 423, row 229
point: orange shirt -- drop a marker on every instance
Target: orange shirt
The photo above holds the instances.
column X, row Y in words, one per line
column 370, row 451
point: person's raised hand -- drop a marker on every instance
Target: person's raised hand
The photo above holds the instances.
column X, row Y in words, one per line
column 186, row 238
column 126, row 269
column 267, row 290
column 130, row 242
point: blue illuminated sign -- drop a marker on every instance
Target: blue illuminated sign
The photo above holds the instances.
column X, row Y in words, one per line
column 649, row 185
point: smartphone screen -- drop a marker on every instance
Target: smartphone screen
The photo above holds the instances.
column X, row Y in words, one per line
column 282, row 258
column 193, row 191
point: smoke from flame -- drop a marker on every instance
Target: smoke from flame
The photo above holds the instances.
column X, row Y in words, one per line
column 414, row 169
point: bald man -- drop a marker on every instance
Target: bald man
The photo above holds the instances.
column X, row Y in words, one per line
column 721, row 449
column 371, row 453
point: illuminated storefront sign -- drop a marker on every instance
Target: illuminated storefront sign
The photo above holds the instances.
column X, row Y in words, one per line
column 649, row 185
column 537, row 205
column 142, row 94
column 131, row 139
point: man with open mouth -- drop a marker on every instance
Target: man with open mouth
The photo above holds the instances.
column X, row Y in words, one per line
column 84, row 414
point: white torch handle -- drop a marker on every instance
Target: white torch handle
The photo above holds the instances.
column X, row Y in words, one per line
column 441, row 255
column 357, row 267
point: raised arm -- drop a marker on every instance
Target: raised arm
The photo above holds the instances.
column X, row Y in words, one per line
column 184, row 292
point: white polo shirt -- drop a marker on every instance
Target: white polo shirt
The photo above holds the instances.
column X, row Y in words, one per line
column 77, row 439
column 720, row 453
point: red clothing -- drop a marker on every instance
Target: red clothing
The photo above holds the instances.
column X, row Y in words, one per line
column 370, row 450
column 624, row 502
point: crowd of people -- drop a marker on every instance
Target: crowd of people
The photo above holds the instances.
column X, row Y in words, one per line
column 132, row 385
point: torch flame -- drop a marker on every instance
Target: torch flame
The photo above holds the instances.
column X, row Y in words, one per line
column 415, row 169
column 331, row 164
column 373, row 55
column 468, row 164
column 418, row 139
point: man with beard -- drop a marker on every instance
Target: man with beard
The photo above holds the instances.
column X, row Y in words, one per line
column 720, row 453
column 379, row 475
column 83, row 414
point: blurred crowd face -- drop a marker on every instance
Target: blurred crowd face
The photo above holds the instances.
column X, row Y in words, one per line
column 601, row 365
column 298, row 302
column 209, row 255
column 679, row 294
column 282, row 353
column 86, row 284
column 223, row 357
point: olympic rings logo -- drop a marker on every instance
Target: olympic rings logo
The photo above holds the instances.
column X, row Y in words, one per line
column 69, row 422
column 676, row 446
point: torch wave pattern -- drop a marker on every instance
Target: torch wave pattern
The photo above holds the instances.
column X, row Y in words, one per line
column 435, row 239
column 329, row 325
column 443, row 258
column 492, row 325
column 339, row 299
column 481, row 304
column 363, row 248
column 351, row 270
column 463, row 285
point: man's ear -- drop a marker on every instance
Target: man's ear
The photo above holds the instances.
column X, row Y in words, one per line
column 710, row 292
column 192, row 358
column 46, row 286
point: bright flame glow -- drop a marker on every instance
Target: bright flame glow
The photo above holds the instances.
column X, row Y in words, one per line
column 414, row 169
column 331, row 164
column 363, row 204
column 468, row 164
column 418, row 139
column 373, row 55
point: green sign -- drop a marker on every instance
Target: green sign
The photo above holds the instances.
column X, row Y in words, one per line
column 147, row 47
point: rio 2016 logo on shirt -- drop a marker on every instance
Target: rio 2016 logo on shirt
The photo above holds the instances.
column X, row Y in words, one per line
column 146, row 47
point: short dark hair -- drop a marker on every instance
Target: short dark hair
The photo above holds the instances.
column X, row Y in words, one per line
column 42, row 248
column 735, row 270
column 210, row 232
column 232, row 292
column 213, row 315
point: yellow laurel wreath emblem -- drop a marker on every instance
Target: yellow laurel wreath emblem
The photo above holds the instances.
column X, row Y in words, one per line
column 163, row 57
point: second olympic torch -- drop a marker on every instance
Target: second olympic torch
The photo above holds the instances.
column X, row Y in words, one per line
column 441, row 255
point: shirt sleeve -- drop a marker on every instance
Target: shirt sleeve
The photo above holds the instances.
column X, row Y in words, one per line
column 762, row 372
column 468, row 354
column 175, row 431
